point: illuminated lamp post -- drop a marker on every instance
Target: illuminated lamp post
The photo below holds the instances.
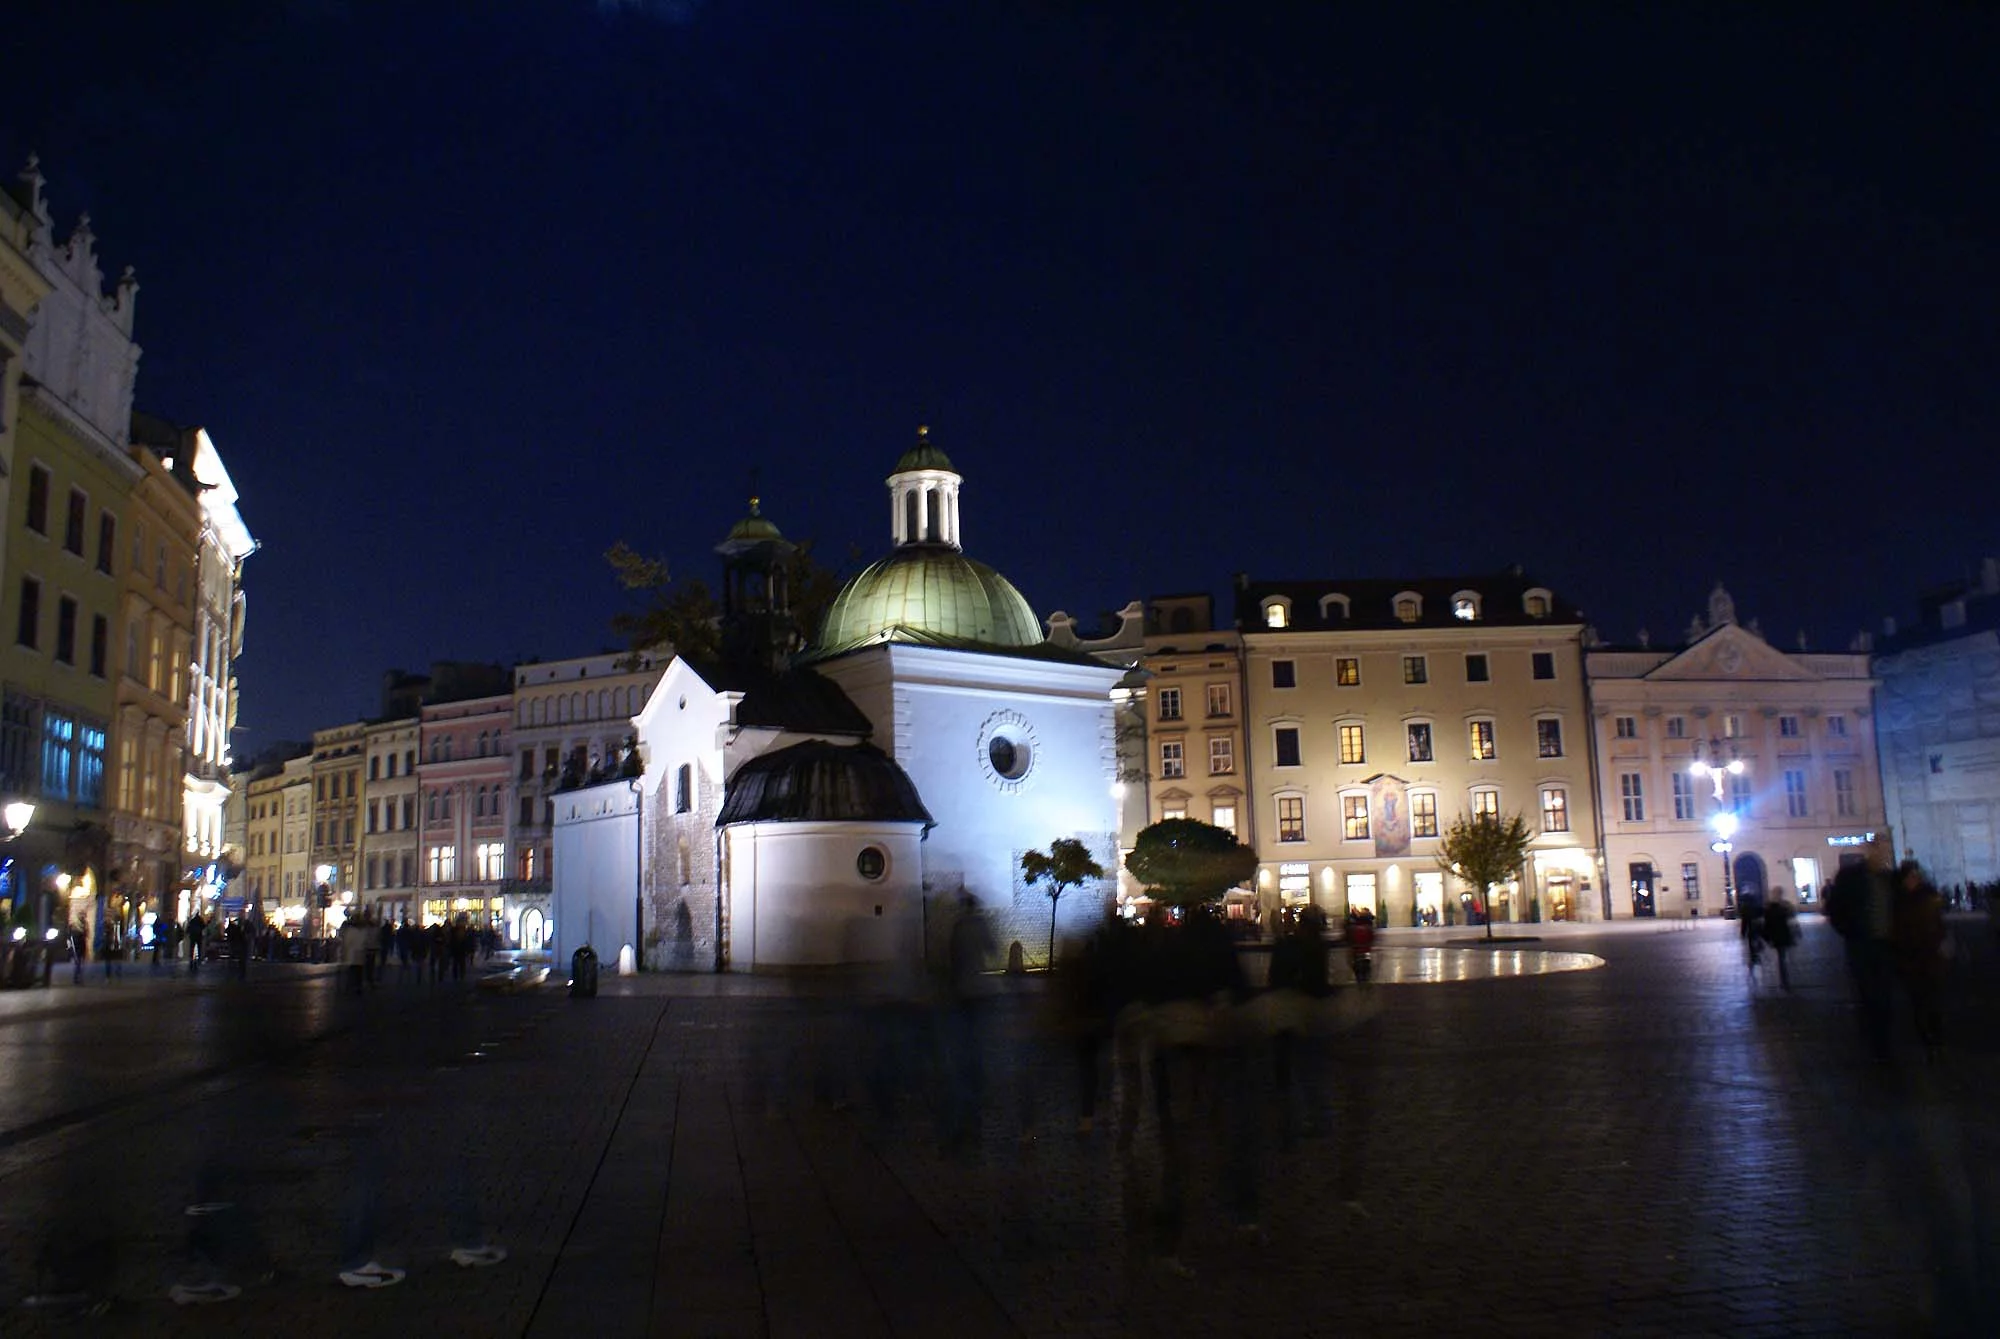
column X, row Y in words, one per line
column 1723, row 821
column 18, row 815
column 322, row 896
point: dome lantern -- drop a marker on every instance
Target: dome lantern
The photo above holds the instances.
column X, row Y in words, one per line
column 923, row 492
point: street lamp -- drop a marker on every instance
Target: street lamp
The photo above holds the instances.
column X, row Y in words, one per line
column 1724, row 825
column 1713, row 767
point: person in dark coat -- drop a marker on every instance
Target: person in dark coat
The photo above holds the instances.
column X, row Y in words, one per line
column 1781, row 932
column 1917, row 936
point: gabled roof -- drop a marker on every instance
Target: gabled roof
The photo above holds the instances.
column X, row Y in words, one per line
column 1370, row 603
column 821, row 781
column 1730, row 652
column 796, row 700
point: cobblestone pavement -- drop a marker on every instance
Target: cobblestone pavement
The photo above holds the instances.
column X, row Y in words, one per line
column 1664, row 1145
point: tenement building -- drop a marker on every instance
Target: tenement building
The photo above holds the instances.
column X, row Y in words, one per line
column 1939, row 705
column 389, row 854
column 1189, row 714
column 1378, row 711
column 1731, row 768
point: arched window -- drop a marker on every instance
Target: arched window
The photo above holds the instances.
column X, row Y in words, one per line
column 431, row 806
column 1409, row 606
column 1334, row 608
column 1277, row 612
column 1465, row 606
column 603, row 702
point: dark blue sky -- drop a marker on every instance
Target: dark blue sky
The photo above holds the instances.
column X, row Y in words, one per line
column 1638, row 296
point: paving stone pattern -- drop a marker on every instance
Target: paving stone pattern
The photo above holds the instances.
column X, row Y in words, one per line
column 1663, row 1146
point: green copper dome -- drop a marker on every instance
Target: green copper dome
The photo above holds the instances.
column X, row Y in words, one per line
column 929, row 594
column 753, row 527
column 923, row 456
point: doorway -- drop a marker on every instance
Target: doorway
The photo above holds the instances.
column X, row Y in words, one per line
column 534, row 931
column 1644, row 879
column 1751, row 881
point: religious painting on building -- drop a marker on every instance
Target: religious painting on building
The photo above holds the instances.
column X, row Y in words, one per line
column 1389, row 797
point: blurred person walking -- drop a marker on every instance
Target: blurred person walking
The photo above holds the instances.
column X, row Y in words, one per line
column 1917, row 932
column 1781, row 932
column 1858, row 904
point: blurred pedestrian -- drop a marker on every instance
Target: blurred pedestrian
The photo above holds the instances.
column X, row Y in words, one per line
column 1858, row 905
column 1781, row 932
column 1917, row 932
column 79, row 946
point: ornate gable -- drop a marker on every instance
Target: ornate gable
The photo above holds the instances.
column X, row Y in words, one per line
column 1728, row 652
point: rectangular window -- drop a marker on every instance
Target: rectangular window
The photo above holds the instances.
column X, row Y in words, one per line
column 1544, row 664
column 347, row 832
column 1843, row 792
column 1732, row 727
column 90, row 768
column 1171, row 762
column 527, row 811
column 684, row 788
column 374, row 814
column 58, row 761
column 1178, row 809
column 1475, row 668
column 1625, row 727
column 38, row 500
column 1548, row 738
column 1284, row 674
column 1225, row 818
column 1420, row 741
column 443, row 864
column 1423, row 814
column 1482, row 741
column 1677, row 727
column 1795, row 794
column 1347, row 671
column 1683, row 797
column 1555, row 809
column 1354, row 817
column 1291, row 818
column 1351, row 747
column 1836, row 726
column 1221, row 755
column 1170, row 704
column 66, row 630
column 1218, row 699
column 79, row 507
column 319, row 832
column 1287, row 738
column 527, row 764
column 1691, row 880
column 490, row 859
column 1633, row 796
column 107, row 540
column 1739, row 793
column 1788, row 727
column 29, row 631
column 1416, row 670
column 17, row 743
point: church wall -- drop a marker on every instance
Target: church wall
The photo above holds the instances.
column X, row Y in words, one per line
column 681, row 886
column 798, row 898
column 594, row 880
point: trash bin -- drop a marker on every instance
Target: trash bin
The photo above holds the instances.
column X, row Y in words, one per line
column 583, row 973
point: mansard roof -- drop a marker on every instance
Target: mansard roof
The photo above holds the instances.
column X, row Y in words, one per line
column 1366, row 604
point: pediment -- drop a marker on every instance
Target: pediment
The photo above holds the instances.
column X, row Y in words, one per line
column 1728, row 653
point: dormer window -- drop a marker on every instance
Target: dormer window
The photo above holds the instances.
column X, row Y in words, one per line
column 1465, row 606
column 1277, row 613
column 1537, row 603
column 1333, row 608
column 1409, row 607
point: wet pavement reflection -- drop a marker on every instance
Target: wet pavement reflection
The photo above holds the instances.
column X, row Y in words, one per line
column 1437, row 963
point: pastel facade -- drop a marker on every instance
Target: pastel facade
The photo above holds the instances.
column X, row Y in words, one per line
column 465, row 789
column 1802, row 795
column 1377, row 712
column 390, row 852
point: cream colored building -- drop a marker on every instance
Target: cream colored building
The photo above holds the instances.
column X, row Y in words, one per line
column 263, row 837
column 1377, row 712
column 338, row 760
column 1787, row 752
column 295, row 873
column 389, row 825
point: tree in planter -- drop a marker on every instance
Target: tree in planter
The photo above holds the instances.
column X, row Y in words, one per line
column 1183, row 861
column 1066, row 864
column 1484, row 849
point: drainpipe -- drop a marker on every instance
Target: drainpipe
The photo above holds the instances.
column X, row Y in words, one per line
column 637, row 785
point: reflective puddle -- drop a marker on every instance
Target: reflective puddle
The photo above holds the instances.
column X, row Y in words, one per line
column 1415, row 966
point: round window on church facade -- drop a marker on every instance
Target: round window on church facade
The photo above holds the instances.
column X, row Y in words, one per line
column 1007, row 749
column 872, row 863
column 1009, row 757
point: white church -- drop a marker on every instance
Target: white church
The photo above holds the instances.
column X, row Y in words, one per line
column 832, row 811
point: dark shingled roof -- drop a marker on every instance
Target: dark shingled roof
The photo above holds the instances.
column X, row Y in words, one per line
column 1372, row 603
column 820, row 781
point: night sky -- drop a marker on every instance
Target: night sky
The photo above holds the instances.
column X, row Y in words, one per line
column 1638, row 296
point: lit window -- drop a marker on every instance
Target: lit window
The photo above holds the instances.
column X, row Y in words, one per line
column 1548, row 738
column 1465, row 607
column 1423, row 814
column 1486, row 804
column 1555, row 809
column 1347, row 671
column 1171, row 762
column 1739, row 793
column 1537, row 604
column 1225, row 818
column 1630, row 791
column 1354, row 817
column 1218, row 699
column 1291, row 818
column 1482, row 741
column 1221, row 755
column 1409, row 608
column 1170, row 704
column 1625, row 727
column 1351, row 748
column 1416, row 670
column 1420, row 741
column 1276, row 615
column 1732, row 727
column 1174, row 810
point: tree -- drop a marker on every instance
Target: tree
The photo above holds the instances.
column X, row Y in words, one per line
column 1484, row 849
column 1062, row 867
column 686, row 617
column 1183, row 861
